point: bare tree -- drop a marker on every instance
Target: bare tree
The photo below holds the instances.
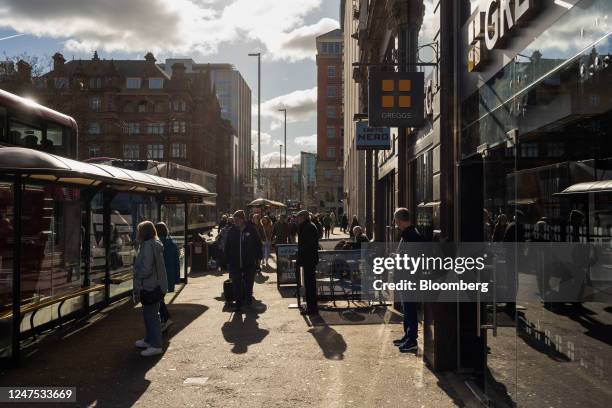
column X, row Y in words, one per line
column 40, row 65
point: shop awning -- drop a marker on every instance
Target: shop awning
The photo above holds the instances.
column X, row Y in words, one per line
column 602, row 186
column 37, row 165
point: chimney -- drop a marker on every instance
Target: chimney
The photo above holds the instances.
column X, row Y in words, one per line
column 24, row 71
column 178, row 70
column 95, row 56
column 150, row 58
column 58, row 61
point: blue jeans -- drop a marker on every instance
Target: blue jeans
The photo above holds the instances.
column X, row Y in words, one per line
column 153, row 333
column 411, row 325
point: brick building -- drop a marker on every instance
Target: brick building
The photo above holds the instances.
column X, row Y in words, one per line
column 133, row 109
column 330, row 121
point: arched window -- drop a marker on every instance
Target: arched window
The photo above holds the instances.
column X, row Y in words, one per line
column 142, row 107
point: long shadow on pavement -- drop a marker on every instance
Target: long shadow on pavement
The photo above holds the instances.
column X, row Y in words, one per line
column 243, row 329
column 98, row 358
column 330, row 341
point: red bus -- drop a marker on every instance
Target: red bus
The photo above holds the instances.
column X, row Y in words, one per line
column 27, row 124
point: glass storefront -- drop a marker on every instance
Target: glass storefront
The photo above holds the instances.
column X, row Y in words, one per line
column 538, row 127
column 6, row 267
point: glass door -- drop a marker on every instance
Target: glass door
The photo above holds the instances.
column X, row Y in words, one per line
column 497, row 319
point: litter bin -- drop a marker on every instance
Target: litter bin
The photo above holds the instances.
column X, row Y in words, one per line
column 199, row 255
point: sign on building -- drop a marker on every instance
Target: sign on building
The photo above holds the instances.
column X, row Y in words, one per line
column 396, row 99
column 372, row 138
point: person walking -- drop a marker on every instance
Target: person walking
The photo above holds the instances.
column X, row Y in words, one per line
column 243, row 251
column 172, row 262
column 316, row 220
column 409, row 233
column 344, row 222
column 354, row 223
column 327, row 224
column 308, row 258
column 256, row 222
column 150, row 284
column 281, row 234
column 267, row 230
column 293, row 229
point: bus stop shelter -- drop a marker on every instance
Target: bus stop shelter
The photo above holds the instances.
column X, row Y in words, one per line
column 67, row 237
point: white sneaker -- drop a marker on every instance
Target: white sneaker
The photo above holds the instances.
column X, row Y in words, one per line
column 151, row 351
column 141, row 344
column 166, row 324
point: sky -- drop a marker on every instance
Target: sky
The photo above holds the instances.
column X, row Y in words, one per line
column 220, row 31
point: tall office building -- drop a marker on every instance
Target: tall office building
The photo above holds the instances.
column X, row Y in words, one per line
column 234, row 97
column 330, row 121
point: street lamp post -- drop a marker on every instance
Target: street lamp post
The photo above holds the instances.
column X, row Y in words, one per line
column 285, row 112
column 258, row 55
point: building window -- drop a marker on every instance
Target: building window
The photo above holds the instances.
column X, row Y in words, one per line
column 179, row 150
column 133, row 128
column 131, row 151
column 94, row 128
column 179, row 126
column 156, row 83
column 529, row 150
column 155, row 151
column 424, row 178
column 331, row 112
column 95, row 151
column 179, row 106
column 40, row 82
column 331, row 132
column 331, row 152
column 155, row 128
column 331, row 71
column 95, row 104
column 95, row 83
column 331, row 91
column 142, row 107
column 159, row 107
column 132, row 83
column 327, row 174
column 61, row 83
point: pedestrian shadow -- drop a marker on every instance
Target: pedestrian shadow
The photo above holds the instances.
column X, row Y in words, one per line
column 97, row 354
column 287, row 291
column 243, row 331
column 330, row 341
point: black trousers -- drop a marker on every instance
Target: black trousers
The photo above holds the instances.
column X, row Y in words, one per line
column 242, row 282
column 310, row 286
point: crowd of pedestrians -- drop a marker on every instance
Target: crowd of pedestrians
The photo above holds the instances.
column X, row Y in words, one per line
column 243, row 247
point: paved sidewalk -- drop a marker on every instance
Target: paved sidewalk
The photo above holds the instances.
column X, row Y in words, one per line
column 268, row 357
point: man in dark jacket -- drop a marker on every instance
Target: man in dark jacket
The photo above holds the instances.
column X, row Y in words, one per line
column 281, row 232
column 308, row 258
column 243, row 251
column 408, row 342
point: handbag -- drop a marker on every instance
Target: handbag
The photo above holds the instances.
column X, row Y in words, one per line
column 150, row 297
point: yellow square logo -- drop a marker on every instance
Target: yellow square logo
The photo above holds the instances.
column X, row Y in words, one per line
column 388, row 101
column 388, row 85
column 405, row 101
column 405, row 85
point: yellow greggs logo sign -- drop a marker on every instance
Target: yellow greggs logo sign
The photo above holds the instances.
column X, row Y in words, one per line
column 396, row 93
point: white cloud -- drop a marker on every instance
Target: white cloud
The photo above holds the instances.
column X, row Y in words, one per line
column 173, row 27
column 272, row 160
column 301, row 106
column 266, row 138
column 306, row 141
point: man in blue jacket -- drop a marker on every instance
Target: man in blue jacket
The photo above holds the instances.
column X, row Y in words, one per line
column 243, row 251
column 409, row 309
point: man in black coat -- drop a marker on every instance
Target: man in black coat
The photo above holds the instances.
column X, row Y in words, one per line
column 409, row 309
column 308, row 258
column 243, row 251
